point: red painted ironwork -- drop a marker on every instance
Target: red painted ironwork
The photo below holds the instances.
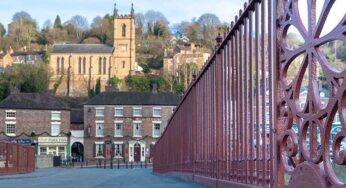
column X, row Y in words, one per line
column 16, row 159
column 234, row 124
column 302, row 157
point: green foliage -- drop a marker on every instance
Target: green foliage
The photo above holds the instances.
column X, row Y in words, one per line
column 115, row 81
column 98, row 86
column 143, row 84
column 91, row 93
column 155, row 62
column 2, row 30
column 57, row 84
column 178, row 87
column 137, row 83
column 27, row 78
column 57, row 23
column 341, row 52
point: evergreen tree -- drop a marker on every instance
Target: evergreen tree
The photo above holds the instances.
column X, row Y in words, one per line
column 57, row 22
column 98, row 86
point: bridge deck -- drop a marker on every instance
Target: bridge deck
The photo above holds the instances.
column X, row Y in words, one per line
column 91, row 177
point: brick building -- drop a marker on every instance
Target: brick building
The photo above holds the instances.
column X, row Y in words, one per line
column 38, row 119
column 125, row 125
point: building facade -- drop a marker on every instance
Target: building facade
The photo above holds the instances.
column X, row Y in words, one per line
column 76, row 67
column 183, row 61
column 38, row 119
column 125, row 125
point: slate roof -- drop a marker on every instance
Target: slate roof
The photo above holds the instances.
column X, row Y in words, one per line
column 135, row 98
column 77, row 116
column 82, row 48
column 36, row 101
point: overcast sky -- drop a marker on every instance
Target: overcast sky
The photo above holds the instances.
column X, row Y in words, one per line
column 175, row 10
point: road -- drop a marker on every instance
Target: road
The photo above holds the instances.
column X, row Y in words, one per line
column 93, row 178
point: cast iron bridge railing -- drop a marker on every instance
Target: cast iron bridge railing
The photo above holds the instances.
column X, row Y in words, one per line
column 234, row 124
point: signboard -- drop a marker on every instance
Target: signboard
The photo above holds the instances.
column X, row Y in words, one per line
column 52, row 139
column 17, row 141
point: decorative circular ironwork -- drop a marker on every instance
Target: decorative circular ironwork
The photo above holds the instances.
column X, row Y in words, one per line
column 314, row 115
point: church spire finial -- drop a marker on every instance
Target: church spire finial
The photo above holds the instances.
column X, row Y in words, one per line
column 115, row 10
column 132, row 10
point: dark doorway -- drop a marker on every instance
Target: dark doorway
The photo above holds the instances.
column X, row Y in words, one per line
column 137, row 152
column 77, row 152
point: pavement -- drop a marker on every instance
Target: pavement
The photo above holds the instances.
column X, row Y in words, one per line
column 93, row 178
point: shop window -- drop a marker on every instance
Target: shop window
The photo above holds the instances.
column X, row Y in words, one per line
column 43, row 151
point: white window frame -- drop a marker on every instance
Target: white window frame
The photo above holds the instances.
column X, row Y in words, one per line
column 118, row 108
column 137, row 108
column 134, row 128
column 100, row 108
column 156, row 122
column 56, row 119
column 51, row 128
column 122, row 129
column 10, row 123
column 11, row 111
column 156, row 108
column 103, row 152
column 103, row 127
column 122, row 152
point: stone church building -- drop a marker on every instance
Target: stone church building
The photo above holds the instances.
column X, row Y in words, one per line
column 76, row 67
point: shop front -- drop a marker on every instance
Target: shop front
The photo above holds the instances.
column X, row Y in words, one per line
column 55, row 146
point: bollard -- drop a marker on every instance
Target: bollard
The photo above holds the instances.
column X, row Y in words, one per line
column 81, row 164
column 118, row 164
column 141, row 165
column 131, row 164
column 111, row 164
column 145, row 164
column 104, row 164
column 126, row 164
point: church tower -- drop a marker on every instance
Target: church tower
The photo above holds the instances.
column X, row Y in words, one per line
column 124, row 43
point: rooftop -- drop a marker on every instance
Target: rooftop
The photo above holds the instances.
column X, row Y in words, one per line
column 82, row 48
column 135, row 98
column 36, row 101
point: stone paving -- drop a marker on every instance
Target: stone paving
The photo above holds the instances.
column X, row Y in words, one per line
column 93, row 178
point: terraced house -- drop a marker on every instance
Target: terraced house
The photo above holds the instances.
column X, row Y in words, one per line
column 125, row 125
column 38, row 119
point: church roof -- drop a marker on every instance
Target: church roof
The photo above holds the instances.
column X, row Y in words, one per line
column 82, row 48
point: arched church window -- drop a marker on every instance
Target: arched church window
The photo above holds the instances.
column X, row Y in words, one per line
column 84, row 65
column 80, row 65
column 123, row 64
column 123, row 30
column 104, row 65
column 62, row 65
column 100, row 65
column 58, row 65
